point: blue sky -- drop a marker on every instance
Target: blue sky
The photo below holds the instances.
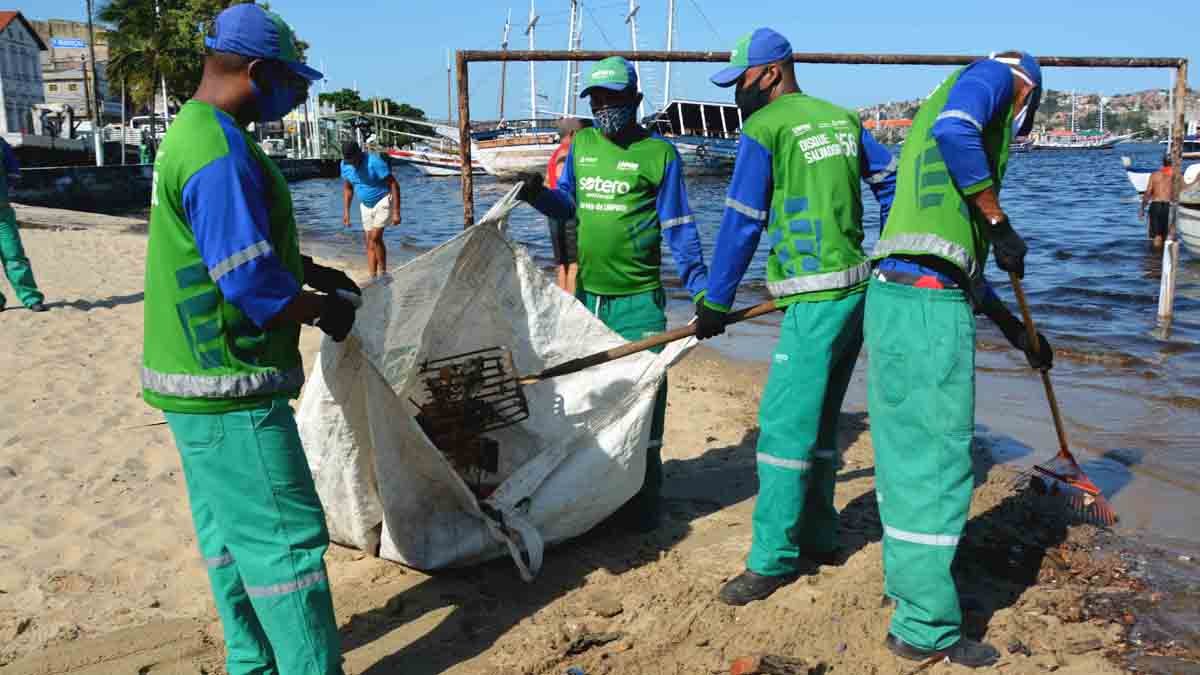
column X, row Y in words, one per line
column 398, row 49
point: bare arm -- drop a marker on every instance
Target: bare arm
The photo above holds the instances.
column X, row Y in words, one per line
column 394, row 191
column 347, row 198
column 987, row 202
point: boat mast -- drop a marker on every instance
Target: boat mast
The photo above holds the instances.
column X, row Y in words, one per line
column 631, row 19
column 504, row 64
column 449, row 88
column 670, row 47
column 574, row 34
column 533, row 19
column 1102, row 115
column 1073, row 127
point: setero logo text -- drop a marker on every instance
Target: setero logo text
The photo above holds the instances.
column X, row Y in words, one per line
column 605, row 186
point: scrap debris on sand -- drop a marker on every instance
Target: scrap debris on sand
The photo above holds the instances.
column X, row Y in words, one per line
column 99, row 572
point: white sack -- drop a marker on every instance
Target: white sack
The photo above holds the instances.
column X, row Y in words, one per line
column 578, row 457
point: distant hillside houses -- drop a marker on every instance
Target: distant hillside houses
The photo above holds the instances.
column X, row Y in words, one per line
column 1145, row 112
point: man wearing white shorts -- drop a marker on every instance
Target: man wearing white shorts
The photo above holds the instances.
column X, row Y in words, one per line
column 369, row 177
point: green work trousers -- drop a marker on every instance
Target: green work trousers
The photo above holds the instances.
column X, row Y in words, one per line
column 798, row 456
column 921, row 399
column 634, row 317
column 16, row 265
column 262, row 535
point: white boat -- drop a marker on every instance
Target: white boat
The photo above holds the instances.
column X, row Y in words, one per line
column 1079, row 141
column 515, row 147
column 1188, row 227
column 1188, row 224
column 432, row 162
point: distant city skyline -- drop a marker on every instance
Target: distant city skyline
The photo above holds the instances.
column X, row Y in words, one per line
column 401, row 52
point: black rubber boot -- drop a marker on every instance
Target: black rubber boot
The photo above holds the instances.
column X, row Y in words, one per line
column 750, row 586
column 965, row 652
column 827, row 558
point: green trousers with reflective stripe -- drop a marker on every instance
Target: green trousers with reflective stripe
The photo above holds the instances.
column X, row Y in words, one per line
column 16, row 265
column 262, row 535
column 634, row 317
column 798, row 455
column 921, row 398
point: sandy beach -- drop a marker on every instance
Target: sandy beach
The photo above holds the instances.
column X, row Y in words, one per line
column 99, row 572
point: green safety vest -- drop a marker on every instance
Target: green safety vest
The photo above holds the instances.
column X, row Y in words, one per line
column 619, row 236
column 815, row 223
column 201, row 354
column 930, row 215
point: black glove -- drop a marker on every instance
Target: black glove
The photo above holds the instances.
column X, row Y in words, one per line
column 336, row 318
column 327, row 279
column 1010, row 248
column 532, row 186
column 1043, row 359
column 709, row 322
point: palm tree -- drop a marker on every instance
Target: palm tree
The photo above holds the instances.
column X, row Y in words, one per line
column 153, row 40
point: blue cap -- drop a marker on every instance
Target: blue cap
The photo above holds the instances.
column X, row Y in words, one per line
column 614, row 73
column 760, row 47
column 1028, row 64
column 250, row 30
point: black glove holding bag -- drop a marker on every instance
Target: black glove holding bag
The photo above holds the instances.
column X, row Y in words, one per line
column 532, row 186
column 336, row 317
column 326, row 279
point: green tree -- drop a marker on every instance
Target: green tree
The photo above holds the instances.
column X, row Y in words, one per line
column 349, row 100
column 146, row 43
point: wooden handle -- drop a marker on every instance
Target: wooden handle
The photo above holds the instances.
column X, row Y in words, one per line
column 1031, row 331
column 576, row 365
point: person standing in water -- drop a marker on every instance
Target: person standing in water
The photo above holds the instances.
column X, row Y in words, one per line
column 1158, row 195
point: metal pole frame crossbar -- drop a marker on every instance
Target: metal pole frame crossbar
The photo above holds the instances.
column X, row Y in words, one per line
column 1180, row 65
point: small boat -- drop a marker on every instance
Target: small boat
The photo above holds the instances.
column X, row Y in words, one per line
column 704, row 133
column 1083, row 140
column 1188, row 224
column 432, row 162
column 1021, row 144
column 1188, row 228
column 516, row 146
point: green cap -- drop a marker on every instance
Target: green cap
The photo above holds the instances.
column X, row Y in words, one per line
column 613, row 73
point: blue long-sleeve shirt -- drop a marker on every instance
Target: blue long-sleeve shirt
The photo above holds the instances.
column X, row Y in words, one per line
column 748, row 206
column 983, row 91
column 226, row 203
column 674, row 212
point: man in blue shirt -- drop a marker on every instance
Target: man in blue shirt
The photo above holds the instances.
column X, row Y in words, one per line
column 12, row 253
column 370, row 178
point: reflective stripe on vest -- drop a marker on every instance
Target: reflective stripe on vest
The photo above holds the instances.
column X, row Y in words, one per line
column 820, row 282
column 924, row 242
column 222, row 386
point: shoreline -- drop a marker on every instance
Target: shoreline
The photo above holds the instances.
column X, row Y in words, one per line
column 98, row 572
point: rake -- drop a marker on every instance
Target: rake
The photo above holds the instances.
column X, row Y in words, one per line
column 470, row 394
column 1081, row 493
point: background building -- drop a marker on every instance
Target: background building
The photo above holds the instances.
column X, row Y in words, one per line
column 65, row 64
column 20, row 73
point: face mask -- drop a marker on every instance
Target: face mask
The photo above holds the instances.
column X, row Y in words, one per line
column 752, row 98
column 277, row 101
column 613, row 119
column 1022, row 122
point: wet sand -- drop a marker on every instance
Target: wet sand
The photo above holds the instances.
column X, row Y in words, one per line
column 99, row 572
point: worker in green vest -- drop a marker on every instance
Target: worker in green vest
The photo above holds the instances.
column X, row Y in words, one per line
column 624, row 185
column 800, row 165
column 221, row 358
column 12, row 251
column 920, row 332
